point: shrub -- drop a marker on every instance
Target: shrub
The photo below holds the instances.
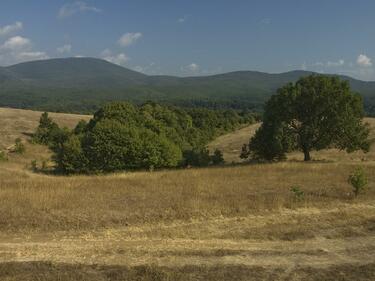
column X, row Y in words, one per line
column 358, row 180
column 3, row 156
column 197, row 157
column 19, row 147
column 34, row 165
column 297, row 192
column 70, row 157
column 217, row 158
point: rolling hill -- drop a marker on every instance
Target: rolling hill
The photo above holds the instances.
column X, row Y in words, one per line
column 83, row 84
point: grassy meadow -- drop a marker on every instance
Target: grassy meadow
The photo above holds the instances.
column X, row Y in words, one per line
column 235, row 222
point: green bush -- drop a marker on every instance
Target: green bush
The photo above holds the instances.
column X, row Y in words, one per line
column 358, row 180
column 297, row 192
column 3, row 156
column 217, row 158
column 34, row 165
column 19, row 147
column 70, row 157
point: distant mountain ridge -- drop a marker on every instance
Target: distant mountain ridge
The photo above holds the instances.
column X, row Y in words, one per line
column 83, row 84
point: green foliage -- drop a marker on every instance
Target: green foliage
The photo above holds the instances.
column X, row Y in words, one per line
column 198, row 157
column 80, row 128
column 315, row 113
column 122, row 136
column 3, row 156
column 217, row 158
column 70, row 157
column 49, row 133
column 19, row 147
column 358, row 180
column 42, row 85
column 34, row 165
column 297, row 192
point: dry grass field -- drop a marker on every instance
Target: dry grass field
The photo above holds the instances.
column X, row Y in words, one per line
column 236, row 222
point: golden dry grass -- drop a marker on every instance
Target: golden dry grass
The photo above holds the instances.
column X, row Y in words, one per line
column 227, row 223
column 231, row 144
column 16, row 123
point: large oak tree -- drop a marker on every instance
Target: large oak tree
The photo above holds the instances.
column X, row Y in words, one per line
column 315, row 113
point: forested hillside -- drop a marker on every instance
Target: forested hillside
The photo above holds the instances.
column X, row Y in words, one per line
column 85, row 84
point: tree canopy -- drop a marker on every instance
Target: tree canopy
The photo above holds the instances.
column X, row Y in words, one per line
column 123, row 136
column 315, row 113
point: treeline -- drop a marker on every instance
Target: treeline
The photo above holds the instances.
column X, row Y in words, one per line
column 123, row 136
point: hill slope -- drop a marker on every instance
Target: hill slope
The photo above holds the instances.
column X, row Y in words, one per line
column 83, row 84
column 231, row 144
column 19, row 123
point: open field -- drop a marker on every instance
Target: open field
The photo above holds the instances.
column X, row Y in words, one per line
column 227, row 223
column 16, row 123
column 231, row 145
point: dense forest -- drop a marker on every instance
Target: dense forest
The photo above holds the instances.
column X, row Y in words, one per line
column 123, row 136
column 83, row 85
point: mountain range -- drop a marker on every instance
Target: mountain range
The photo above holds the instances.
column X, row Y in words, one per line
column 83, row 84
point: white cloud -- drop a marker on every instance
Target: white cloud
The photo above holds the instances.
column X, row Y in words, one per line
column 182, row 19
column 5, row 30
column 19, row 49
column 119, row 59
column 27, row 56
column 364, row 61
column 106, row 53
column 76, row 7
column 150, row 68
column 16, row 43
column 319, row 63
column 64, row 49
column 191, row 68
column 139, row 68
column 265, row 21
column 129, row 38
column 335, row 63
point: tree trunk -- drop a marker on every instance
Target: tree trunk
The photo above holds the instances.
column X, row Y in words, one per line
column 306, row 152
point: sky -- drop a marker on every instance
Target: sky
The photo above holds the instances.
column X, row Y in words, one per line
column 196, row 37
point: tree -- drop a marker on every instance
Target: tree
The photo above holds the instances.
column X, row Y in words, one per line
column 315, row 113
column 197, row 157
column 80, row 128
column 43, row 132
column 123, row 136
column 70, row 157
column 358, row 180
column 217, row 158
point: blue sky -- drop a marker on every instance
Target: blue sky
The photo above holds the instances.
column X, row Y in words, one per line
column 196, row 37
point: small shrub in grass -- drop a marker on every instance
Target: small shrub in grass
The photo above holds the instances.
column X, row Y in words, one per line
column 217, row 158
column 3, row 156
column 297, row 192
column 44, row 165
column 358, row 180
column 19, row 147
column 34, row 165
